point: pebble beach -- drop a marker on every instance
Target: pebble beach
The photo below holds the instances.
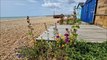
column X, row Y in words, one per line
column 14, row 34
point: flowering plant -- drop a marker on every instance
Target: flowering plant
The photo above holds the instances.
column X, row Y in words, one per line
column 56, row 50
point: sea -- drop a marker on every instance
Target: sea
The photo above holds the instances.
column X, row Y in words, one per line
column 14, row 18
column 18, row 18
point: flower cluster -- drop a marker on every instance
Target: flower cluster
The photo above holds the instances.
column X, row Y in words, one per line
column 43, row 50
column 18, row 54
column 64, row 37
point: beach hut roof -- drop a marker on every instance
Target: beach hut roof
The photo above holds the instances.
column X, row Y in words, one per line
column 80, row 4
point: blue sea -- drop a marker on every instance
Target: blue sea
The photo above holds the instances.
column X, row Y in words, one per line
column 12, row 18
column 16, row 18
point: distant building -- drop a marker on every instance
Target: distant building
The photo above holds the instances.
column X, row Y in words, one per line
column 78, row 9
column 94, row 12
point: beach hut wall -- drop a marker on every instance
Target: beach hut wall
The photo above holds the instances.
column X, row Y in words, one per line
column 88, row 11
column 95, row 12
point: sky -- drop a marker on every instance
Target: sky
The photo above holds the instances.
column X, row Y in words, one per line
column 13, row 8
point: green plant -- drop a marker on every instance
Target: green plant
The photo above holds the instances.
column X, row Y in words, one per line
column 67, row 48
column 48, row 50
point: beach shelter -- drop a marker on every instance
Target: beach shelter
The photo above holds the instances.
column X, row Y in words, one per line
column 88, row 11
column 78, row 9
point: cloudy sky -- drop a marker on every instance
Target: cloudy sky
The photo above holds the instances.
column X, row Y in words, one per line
column 11, row 8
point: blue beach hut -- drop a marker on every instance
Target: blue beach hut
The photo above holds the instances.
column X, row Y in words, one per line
column 88, row 11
